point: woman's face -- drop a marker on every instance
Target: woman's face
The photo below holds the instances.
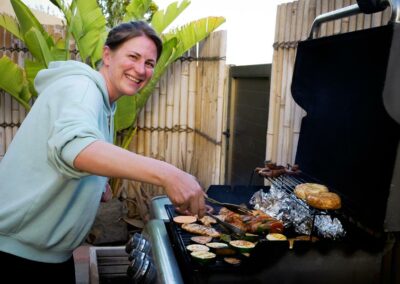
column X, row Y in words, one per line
column 128, row 68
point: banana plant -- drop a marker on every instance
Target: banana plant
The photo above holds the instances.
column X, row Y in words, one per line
column 86, row 24
column 40, row 44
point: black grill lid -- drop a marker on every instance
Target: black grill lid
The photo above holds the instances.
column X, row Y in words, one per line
column 347, row 139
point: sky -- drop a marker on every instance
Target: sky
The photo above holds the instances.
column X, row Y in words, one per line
column 250, row 25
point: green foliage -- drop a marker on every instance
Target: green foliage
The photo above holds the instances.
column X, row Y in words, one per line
column 89, row 30
column 11, row 24
column 13, row 81
column 136, row 10
column 162, row 19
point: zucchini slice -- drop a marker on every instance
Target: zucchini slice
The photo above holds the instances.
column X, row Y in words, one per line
column 203, row 257
column 242, row 245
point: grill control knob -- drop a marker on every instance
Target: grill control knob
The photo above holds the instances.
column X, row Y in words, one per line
column 141, row 268
column 138, row 242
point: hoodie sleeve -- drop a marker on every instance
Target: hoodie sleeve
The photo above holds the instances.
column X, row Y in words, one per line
column 77, row 123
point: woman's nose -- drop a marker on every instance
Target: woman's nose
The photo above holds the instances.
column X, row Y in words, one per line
column 140, row 68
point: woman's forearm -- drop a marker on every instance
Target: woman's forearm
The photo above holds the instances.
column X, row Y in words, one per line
column 105, row 159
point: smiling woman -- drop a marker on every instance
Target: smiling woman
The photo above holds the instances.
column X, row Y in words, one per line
column 68, row 138
column 129, row 58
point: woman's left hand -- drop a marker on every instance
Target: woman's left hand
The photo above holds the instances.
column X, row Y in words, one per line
column 107, row 194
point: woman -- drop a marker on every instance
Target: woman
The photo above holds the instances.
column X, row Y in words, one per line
column 55, row 171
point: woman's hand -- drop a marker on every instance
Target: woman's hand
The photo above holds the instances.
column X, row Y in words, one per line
column 185, row 192
column 107, row 194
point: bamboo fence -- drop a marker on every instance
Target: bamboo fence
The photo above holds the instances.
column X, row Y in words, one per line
column 293, row 24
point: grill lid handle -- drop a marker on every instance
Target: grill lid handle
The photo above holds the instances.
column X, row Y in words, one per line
column 362, row 6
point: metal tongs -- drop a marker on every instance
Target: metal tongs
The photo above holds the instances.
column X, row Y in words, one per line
column 234, row 231
column 233, row 207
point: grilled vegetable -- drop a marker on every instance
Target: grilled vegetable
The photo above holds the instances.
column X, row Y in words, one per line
column 201, row 239
column 251, row 237
column 232, row 260
column 203, row 257
column 182, row 219
column 220, row 248
column 242, row 245
column 276, row 237
column 226, row 238
column 216, row 245
column 196, row 247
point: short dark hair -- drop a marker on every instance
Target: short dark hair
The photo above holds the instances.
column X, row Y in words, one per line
column 125, row 31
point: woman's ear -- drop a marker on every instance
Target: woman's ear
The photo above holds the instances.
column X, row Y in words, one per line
column 106, row 55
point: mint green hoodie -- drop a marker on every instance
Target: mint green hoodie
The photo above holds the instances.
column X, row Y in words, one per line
column 47, row 207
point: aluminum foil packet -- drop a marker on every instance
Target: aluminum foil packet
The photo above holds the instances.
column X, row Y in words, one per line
column 292, row 213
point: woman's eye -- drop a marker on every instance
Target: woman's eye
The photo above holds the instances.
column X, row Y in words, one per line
column 150, row 64
column 133, row 56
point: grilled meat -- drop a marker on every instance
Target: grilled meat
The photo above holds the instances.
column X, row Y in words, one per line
column 201, row 230
column 259, row 222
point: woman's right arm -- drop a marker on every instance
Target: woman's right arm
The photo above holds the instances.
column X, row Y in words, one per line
column 106, row 159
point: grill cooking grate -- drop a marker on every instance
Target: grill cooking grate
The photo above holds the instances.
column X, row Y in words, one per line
column 182, row 238
column 288, row 182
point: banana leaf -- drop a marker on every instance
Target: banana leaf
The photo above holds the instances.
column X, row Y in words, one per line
column 36, row 44
column 161, row 20
column 64, row 9
column 27, row 20
column 14, row 82
column 11, row 25
column 32, row 67
column 136, row 10
column 89, row 30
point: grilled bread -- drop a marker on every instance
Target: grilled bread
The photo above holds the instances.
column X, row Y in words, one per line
column 324, row 200
column 303, row 189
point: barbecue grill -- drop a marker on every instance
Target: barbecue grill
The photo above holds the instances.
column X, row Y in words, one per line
column 349, row 140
